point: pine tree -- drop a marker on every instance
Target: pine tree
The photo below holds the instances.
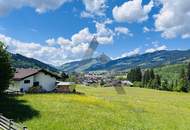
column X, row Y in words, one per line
column 182, row 74
column 184, row 85
column 157, row 81
column 6, row 71
column 165, row 85
column 188, row 72
column 176, row 83
column 134, row 75
column 146, row 78
column 171, row 86
column 138, row 74
column 152, row 76
column 64, row 76
column 129, row 76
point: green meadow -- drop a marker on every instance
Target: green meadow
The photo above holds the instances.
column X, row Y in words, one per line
column 102, row 109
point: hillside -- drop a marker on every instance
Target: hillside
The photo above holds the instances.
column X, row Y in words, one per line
column 147, row 60
column 80, row 66
column 170, row 72
column 20, row 61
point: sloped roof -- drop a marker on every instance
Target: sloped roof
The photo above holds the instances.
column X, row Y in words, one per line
column 24, row 73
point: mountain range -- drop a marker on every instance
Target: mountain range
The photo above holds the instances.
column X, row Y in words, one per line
column 84, row 65
column 147, row 60
column 104, row 63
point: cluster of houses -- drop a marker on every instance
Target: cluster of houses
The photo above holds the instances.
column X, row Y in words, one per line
column 105, row 79
column 26, row 79
column 39, row 80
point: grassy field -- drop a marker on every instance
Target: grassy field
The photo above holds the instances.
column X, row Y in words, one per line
column 103, row 109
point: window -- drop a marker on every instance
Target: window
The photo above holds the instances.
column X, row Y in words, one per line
column 36, row 84
column 21, row 90
column 26, row 81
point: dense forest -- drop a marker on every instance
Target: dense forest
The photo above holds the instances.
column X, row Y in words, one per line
column 169, row 78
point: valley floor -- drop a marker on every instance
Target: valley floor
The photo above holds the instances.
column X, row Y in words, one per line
column 104, row 109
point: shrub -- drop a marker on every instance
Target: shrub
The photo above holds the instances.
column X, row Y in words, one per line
column 36, row 89
column 137, row 84
column 184, row 86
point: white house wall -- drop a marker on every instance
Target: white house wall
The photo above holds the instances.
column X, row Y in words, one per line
column 15, row 86
column 46, row 81
column 28, row 85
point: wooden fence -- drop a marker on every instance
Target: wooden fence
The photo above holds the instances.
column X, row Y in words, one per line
column 9, row 124
column 12, row 92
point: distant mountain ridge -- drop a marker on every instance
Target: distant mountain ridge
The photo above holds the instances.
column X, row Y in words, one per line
column 104, row 63
column 147, row 60
column 83, row 65
column 20, row 61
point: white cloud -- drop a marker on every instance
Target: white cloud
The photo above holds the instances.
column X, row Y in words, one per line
column 51, row 42
column 85, row 14
column 83, row 36
column 123, row 30
column 146, row 29
column 174, row 18
column 34, row 30
column 94, row 7
column 131, row 53
column 62, row 41
column 40, row 6
column 48, row 54
column 136, row 51
column 155, row 43
column 108, row 21
column 156, row 48
column 60, row 50
column 132, row 11
column 104, row 34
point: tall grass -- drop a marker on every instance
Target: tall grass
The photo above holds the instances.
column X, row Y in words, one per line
column 104, row 109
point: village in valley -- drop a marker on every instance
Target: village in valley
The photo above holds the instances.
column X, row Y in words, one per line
column 42, row 81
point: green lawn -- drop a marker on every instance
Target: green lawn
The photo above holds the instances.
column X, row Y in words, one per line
column 104, row 109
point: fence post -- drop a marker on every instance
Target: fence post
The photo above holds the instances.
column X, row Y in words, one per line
column 25, row 128
column 1, row 116
column 10, row 123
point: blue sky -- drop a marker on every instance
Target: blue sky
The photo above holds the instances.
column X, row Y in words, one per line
column 59, row 31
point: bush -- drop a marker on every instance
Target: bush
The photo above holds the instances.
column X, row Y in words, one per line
column 184, row 86
column 36, row 89
column 102, row 83
column 137, row 84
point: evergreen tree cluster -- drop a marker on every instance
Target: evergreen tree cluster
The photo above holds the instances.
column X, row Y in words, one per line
column 151, row 80
column 184, row 80
column 148, row 79
column 134, row 75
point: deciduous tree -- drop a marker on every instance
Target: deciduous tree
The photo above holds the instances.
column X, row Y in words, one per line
column 6, row 71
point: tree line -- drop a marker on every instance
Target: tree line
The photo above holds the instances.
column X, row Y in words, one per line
column 148, row 79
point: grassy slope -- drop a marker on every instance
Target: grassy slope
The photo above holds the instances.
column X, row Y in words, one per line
column 170, row 72
column 104, row 109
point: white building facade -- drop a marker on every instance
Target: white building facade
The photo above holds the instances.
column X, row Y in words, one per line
column 27, row 78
